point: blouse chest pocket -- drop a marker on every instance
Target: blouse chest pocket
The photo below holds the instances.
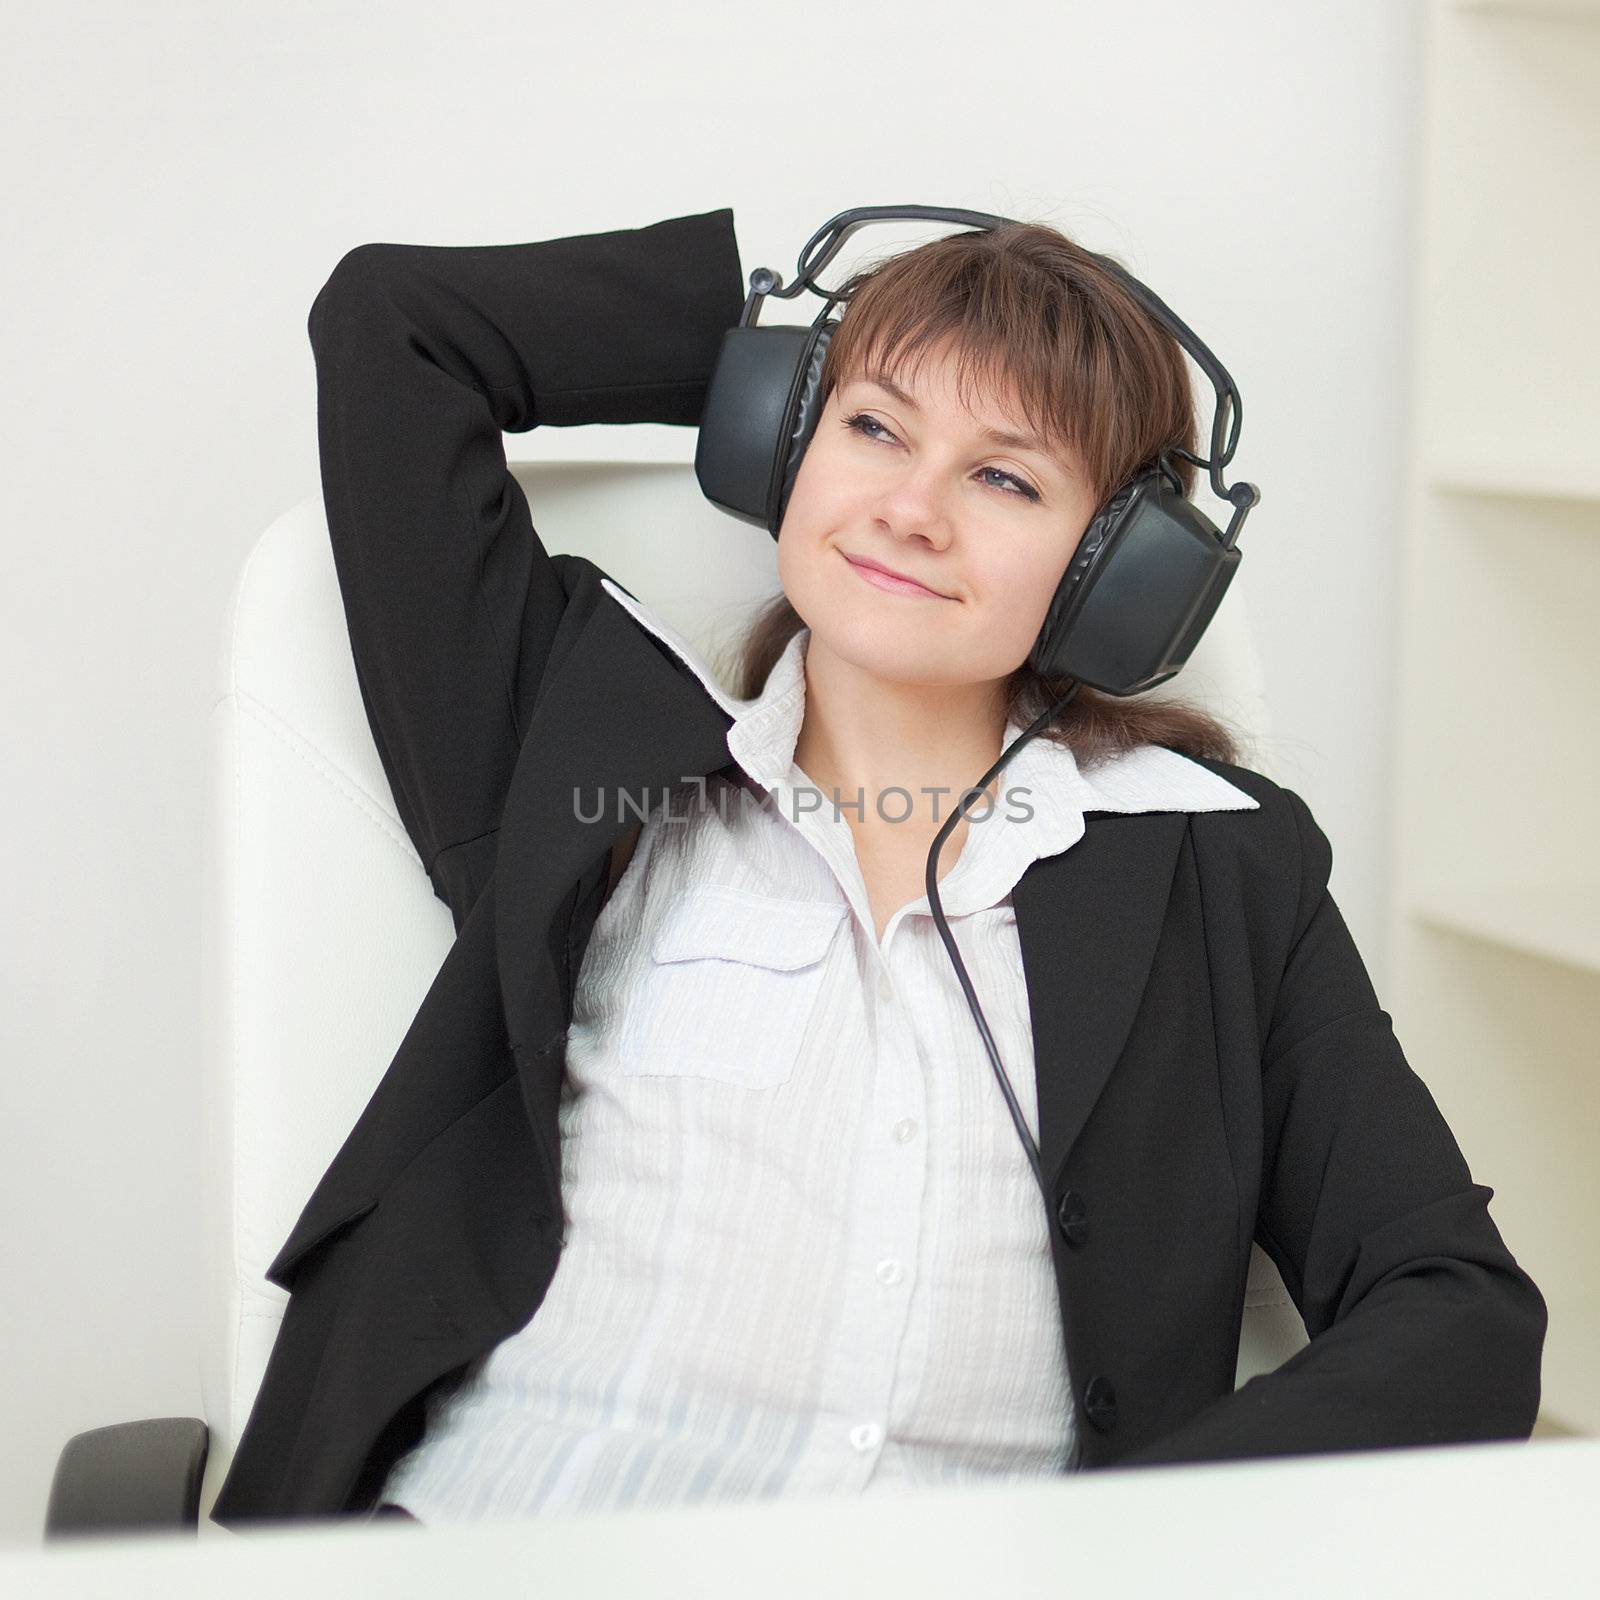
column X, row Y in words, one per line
column 729, row 989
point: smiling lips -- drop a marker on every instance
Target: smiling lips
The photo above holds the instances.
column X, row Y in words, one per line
column 882, row 578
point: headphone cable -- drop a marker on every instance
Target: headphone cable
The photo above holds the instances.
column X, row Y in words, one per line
column 1033, row 729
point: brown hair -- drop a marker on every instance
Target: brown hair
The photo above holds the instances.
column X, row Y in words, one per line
column 1096, row 375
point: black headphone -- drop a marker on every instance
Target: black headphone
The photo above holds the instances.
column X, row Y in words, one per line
column 1148, row 573
column 1142, row 585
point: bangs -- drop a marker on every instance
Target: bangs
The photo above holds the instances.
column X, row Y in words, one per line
column 1036, row 326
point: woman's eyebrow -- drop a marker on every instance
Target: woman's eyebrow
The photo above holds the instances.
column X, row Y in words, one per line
column 1000, row 436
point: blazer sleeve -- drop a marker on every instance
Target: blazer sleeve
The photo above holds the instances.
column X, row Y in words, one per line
column 1423, row 1328
column 425, row 355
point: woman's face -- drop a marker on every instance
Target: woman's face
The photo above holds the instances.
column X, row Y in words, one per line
column 904, row 476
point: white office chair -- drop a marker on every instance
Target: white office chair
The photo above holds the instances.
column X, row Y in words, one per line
column 308, row 860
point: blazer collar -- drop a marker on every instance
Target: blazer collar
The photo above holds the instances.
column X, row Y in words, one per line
column 632, row 707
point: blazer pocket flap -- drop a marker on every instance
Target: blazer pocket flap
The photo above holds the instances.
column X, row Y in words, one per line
column 738, row 925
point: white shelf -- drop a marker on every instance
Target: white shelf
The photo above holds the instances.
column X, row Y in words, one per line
column 1564, row 480
column 1495, row 937
column 1548, row 10
column 1553, row 924
column 1509, row 366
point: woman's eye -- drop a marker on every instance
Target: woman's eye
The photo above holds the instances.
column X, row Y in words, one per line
column 862, row 421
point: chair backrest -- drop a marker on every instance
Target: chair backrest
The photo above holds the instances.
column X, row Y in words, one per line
column 307, row 858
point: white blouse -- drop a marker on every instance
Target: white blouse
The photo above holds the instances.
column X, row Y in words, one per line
column 805, row 1252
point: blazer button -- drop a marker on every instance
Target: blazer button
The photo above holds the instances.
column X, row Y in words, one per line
column 1100, row 1403
column 1074, row 1219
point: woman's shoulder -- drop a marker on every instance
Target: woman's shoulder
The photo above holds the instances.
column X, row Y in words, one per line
column 1279, row 836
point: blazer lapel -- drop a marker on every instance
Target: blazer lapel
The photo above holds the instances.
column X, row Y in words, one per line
column 1088, row 921
column 615, row 718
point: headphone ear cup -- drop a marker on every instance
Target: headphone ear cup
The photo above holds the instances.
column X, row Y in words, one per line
column 1049, row 653
column 1138, row 593
column 757, row 418
column 800, row 421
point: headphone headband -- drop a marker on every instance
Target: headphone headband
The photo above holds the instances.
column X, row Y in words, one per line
column 827, row 241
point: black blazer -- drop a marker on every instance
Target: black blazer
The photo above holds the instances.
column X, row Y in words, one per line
column 1212, row 1063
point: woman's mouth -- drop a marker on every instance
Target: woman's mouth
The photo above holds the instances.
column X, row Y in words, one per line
column 881, row 578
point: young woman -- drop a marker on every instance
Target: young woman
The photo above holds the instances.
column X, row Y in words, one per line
column 716, row 1066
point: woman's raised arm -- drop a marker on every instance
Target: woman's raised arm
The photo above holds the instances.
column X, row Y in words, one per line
column 425, row 355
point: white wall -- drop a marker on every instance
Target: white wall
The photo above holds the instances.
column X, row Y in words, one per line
column 180, row 178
